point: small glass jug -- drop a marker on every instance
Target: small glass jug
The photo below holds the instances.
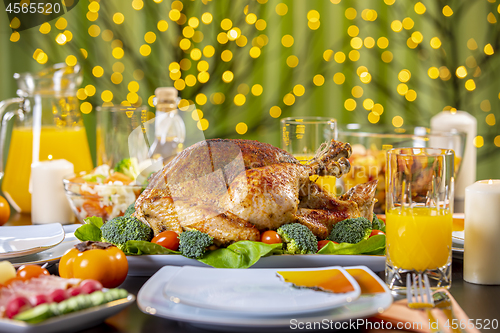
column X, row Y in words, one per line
column 47, row 126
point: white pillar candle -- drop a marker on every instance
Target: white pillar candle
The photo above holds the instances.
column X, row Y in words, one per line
column 482, row 230
column 463, row 122
column 48, row 199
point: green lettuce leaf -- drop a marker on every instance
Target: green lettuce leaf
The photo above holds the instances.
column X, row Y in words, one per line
column 242, row 254
column 97, row 221
column 133, row 247
column 372, row 245
column 88, row 232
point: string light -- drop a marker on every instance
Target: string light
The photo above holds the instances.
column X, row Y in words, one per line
column 234, row 45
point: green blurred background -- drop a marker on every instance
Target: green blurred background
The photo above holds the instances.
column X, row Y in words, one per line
column 245, row 64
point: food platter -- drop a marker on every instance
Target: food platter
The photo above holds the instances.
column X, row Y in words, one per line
column 71, row 322
column 147, row 265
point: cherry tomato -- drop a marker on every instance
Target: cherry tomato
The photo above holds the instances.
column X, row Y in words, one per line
column 26, row 272
column 270, row 237
column 12, row 280
column 322, row 243
column 168, row 239
column 376, row 232
column 107, row 265
column 4, row 210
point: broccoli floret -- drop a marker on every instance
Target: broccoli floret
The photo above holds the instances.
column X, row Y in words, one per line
column 194, row 243
column 124, row 228
column 129, row 167
column 298, row 239
column 377, row 224
column 351, row 230
column 130, row 210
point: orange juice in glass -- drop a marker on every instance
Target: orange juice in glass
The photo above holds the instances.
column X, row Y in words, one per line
column 68, row 143
column 302, row 136
column 46, row 124
column 408, row 249
column 419, row 215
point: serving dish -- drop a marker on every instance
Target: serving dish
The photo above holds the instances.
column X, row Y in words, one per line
column 72, row 322
column 147, row 265
column 152, row 302
column 103, row 197
column 16, row 241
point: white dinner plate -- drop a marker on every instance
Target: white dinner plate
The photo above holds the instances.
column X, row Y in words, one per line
column 71, row 322
column 458, row 237
column 29, row 239
column 51, row 254
column 147, row 265
column 256, row 291
column 155, row 303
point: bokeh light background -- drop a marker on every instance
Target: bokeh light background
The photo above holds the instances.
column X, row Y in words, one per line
column 243, row 64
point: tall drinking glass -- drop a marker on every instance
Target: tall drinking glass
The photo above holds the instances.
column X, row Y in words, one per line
column 116, row 138
column 419, row 215
column 302, row 136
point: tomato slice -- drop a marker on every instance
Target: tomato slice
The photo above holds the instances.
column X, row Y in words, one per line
column 168, row 239
column 376, row 232
column 270, row 237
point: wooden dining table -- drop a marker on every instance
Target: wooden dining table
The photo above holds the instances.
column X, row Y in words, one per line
column 478, row 302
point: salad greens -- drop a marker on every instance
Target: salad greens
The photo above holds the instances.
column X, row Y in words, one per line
column 242, row 254
column 374, row 245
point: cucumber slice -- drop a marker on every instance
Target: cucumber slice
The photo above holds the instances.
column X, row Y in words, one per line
column 97, row 298
column 35, row 315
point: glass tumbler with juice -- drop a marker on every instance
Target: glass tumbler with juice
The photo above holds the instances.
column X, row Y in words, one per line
column 419, row 215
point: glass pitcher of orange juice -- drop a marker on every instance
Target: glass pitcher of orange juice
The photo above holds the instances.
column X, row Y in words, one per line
column 46, row 125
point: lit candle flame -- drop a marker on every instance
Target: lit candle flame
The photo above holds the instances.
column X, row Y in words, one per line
column 490, row 181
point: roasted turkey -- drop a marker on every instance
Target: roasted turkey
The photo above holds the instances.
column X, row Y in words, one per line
column 234, row 189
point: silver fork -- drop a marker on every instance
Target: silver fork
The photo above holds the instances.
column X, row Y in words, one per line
column 419, row 297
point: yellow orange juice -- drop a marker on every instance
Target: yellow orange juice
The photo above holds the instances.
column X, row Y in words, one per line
column 55, row 143
column 326, row 182
column 418, row 238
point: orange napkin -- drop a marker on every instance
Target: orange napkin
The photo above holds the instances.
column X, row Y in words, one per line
column 406, row 319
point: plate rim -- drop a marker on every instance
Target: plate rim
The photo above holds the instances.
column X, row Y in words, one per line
column 54, row 259
column 36, row 249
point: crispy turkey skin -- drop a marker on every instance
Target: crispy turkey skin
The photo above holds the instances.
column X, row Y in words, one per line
column 234, row 189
